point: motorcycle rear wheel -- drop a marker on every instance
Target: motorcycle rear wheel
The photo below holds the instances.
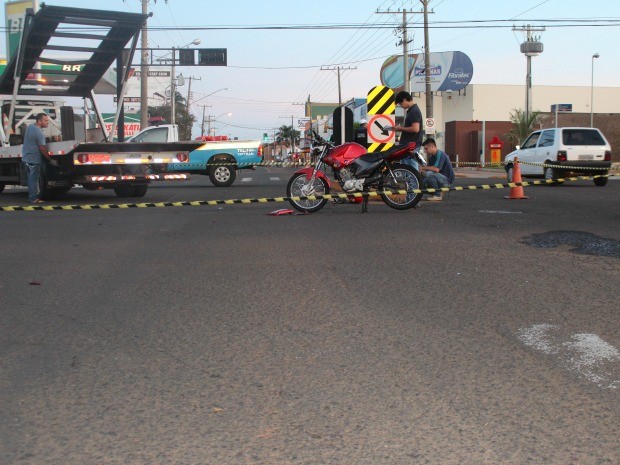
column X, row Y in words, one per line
column 408, row 180
column 300, row 186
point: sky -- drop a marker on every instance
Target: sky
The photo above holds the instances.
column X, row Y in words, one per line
column 272, row 69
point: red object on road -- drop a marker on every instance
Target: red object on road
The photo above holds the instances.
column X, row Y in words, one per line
column 282, row 211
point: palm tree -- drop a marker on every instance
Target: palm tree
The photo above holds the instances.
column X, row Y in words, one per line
column 523, row 124
column 183, row 118
column 286, row 133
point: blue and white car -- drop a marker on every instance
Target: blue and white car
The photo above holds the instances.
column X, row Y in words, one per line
column 219, row 159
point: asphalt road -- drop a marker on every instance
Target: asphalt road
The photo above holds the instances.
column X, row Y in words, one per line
column 477, row 330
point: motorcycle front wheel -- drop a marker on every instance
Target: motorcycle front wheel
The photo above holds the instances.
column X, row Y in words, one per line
column 300, row 186
column 407, row 179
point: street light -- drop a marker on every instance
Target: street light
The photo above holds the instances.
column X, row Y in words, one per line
column 596, row 55
column 209, row 95
column 172, row 80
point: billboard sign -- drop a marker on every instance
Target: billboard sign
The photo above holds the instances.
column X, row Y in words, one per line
column 14, row 14
column 448, row 71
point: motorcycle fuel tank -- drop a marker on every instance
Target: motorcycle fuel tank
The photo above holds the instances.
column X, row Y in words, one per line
column 344, row 155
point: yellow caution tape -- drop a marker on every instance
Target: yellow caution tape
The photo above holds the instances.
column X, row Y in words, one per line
column 197, row 203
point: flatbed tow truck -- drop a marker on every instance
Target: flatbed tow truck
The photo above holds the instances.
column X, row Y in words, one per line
column 126, row 167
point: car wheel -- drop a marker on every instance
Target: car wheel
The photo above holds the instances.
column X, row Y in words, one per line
column 223, row 175
column 509, row 173
column 600, row 181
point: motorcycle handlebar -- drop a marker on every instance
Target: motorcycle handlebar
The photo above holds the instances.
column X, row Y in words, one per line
column 319, row 139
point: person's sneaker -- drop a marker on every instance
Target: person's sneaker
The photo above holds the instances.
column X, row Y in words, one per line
column 435, row 198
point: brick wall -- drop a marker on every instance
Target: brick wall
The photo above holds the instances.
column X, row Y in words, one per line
column 462, row 139
column 462, row 136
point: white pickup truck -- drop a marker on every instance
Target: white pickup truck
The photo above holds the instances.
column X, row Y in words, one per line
column 218, row 159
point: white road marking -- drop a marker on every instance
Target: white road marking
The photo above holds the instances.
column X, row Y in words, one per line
column 502, row 212
column 246, row 179
column 274, row 179
column 585, row 354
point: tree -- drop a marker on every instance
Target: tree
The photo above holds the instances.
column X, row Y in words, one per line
column 183, row 118
column 522, row 125
column 285, row 132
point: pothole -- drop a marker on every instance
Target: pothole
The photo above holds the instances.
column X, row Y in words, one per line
column 581, row 242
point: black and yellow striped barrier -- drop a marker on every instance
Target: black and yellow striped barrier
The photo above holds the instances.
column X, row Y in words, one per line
column 473, row 164
column 198, row 203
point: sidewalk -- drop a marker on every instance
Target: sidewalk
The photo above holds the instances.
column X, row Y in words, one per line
column 480, row 173
column 499, row 173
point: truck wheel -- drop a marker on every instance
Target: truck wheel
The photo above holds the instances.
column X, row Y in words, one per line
column 60, row 193
column 123, row 190
column 223, row 175
column 140, row 190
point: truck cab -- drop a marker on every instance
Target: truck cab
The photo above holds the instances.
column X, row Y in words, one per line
column 162, row 133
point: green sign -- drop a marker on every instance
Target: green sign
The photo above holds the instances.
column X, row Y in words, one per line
column 14, row 14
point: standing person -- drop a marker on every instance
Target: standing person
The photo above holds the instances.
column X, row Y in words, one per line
column 34, row 153
column 411, row 130
column 361, row 133
column 438, row 173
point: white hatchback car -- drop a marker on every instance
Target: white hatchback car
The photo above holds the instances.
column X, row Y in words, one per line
column 562, row 150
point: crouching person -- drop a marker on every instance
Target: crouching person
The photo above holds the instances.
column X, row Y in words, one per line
column 438, row 173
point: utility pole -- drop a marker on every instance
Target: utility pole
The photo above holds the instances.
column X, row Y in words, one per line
column 342, row 112
column 209, row 120
column 144, row 73
column 189, row 89
column 202, row 126
column 427, row 63
column 338, row 69
column 405, row 43
column 173, row 89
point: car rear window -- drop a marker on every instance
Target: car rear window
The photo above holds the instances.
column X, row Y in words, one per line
column 582, row 137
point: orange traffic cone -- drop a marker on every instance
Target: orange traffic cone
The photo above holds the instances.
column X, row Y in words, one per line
column 516, row 192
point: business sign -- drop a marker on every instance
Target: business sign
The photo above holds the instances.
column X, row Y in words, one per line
column 14, row 14
column 132, row 124
column 152, row 73
column 562, row 107
column 448, row 71
column 128, row 99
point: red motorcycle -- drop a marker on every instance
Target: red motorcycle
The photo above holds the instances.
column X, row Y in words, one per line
column 356, row 170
